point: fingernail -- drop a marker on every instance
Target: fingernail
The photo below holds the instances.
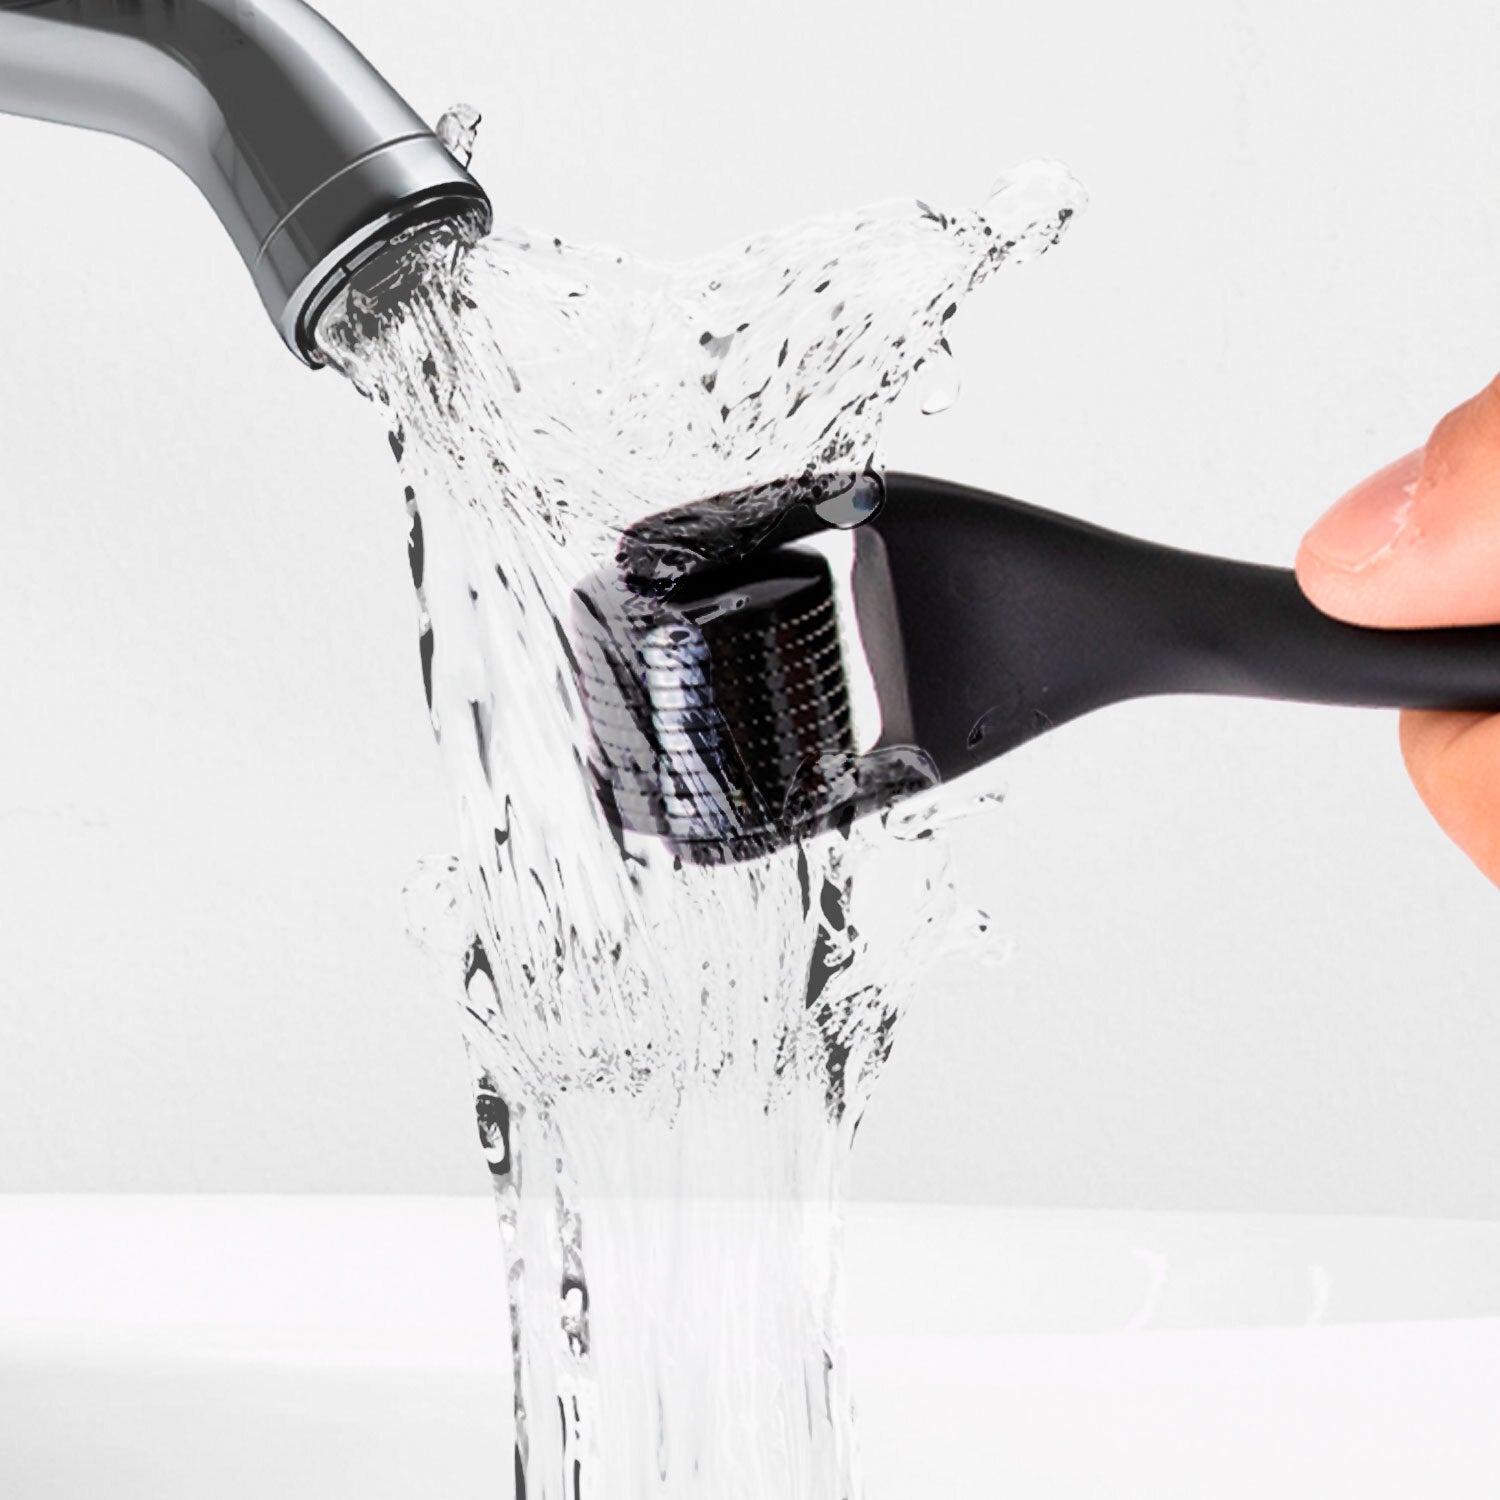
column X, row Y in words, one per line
column 1370, row 519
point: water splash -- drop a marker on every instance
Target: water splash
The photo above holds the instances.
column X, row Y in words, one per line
column 458, row 130
column 671, row 1061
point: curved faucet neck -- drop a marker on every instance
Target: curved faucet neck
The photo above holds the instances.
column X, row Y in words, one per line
column 310, row 159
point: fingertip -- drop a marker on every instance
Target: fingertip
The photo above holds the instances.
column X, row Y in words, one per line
column 1453, row 760
column 1366, row 524
column 1426, row 736
column 1372, row 596
column 1317, row 580
column 1417, row 545
column 1347, row 561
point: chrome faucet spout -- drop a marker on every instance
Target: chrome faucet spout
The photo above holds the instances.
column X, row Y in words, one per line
column 310, row 159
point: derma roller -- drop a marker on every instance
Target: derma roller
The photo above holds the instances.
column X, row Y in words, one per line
column 720, row 694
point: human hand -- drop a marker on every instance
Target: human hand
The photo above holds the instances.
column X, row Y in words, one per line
column 1418, row 544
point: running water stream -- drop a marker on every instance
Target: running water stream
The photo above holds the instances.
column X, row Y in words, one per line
column 670, row 1059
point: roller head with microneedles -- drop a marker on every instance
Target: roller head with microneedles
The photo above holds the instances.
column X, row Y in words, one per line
column 712, row 710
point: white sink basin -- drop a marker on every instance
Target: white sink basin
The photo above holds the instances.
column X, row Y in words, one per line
column 315, row 1349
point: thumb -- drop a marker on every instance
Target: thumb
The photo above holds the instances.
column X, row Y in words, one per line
column 1417, row 544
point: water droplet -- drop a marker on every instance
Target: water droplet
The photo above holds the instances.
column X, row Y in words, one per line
column 436, row 902
column 457, row 130
column 937, row 381
column 977, row 939
column 854, row 504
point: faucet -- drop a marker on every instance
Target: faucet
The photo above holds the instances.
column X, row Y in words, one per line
column 310, row 159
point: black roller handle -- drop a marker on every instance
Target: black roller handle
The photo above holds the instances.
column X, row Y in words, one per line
column 1015, row 619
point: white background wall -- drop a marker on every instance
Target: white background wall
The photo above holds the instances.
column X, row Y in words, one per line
column 1249, row 972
